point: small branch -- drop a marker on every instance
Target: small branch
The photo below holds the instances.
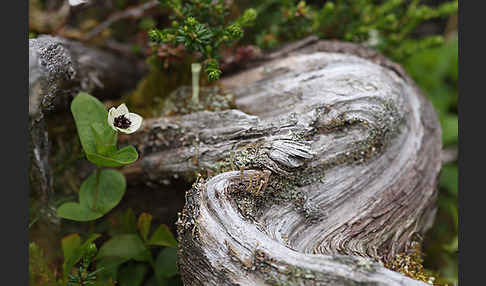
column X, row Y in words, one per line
column 292, row 47
column 121, row 48
column 135, row 12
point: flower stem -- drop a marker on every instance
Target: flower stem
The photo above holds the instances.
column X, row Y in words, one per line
column 98, row 173
column 196, row 69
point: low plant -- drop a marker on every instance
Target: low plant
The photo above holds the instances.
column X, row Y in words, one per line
column 128, row 257
column 202, row 26
column 284, row 21
column 388, row 26
column 74, row 252
column 134, row 254
column 97, row 130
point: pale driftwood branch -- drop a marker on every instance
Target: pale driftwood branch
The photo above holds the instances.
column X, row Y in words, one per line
column 134, row 12
column 335, row 154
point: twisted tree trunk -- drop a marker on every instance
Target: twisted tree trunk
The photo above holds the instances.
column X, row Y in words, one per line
column 331, row 158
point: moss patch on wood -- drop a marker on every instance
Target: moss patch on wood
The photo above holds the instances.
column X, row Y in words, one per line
column 410, row 264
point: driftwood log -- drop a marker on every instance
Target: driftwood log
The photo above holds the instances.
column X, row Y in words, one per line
column 58, row 70
column 326, row 170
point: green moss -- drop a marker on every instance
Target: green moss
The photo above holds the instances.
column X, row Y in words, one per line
column 410, row 264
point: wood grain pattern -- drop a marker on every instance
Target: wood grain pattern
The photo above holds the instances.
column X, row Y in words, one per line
column 332, row 155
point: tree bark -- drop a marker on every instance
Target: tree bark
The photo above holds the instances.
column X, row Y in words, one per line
column 331, row 159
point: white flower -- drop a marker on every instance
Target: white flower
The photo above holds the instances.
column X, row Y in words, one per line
column 121, row 120
column 77, row 2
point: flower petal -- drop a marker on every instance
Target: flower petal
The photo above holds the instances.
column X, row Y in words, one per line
column 136, row 123
column 121, row 130
column 111, row 117
column 121, row 110
column 77, row 2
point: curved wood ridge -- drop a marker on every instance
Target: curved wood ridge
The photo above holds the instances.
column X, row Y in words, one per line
column 333, row 155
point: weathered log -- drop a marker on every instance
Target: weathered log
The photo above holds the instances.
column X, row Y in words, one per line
column 333, row 154
column 58, row 70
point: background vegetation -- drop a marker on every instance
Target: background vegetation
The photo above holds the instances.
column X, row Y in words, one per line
column 133, row 244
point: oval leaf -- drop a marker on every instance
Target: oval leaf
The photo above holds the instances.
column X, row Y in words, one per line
column 69, row 243
column 163, row 237
column 128, row 222
column 77, row 212
column 132, row 274
column 124, row 156
column 111, row 189
column 105, row 139
column 166, row 263
column 128, row 246
column 144, row 221
column 108, row 268
column 88, row 110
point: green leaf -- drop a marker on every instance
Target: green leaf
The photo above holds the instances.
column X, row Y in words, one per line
column 166, row 263
column 129, row 221
column 132, row 274
column 109, row 266
column 452, row 246
column 105, row 139
column 163, row 237
column 78, row 253
column 111, row 189
column 75, row 211
column 128, row 246
column 124, row 156
column 69, row 244
column 87, row 111
column 144, row 222
column 449, row 178
column 450, row 129
column 152, row 281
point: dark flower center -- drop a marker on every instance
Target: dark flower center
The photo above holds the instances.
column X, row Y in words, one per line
column 122, row 122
